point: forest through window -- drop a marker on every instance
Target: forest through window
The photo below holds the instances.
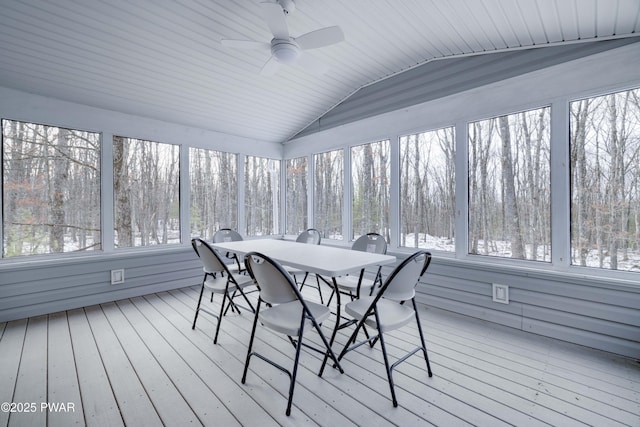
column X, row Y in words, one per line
column 296, row 196
column 328, row 196
column 370, row 185
column 427, row 190
column 262, row 196
column 146, row 192
column 605, row 181
column 50, row 189
column 214, row 191
column 510, row 186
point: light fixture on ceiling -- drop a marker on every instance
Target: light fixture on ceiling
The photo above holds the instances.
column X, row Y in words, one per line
column 285, row 51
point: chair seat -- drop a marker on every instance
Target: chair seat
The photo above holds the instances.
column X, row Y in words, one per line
column 218, row 284
column 392, row 315
column 285, row 318
column 350, row 283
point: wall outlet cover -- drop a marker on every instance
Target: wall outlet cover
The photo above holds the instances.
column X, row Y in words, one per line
column 117, row 277
column 501, row 293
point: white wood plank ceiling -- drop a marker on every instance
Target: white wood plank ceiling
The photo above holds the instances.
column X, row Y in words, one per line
column 163, row 59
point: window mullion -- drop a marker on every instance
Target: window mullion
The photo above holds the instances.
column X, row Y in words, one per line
column 107, row 197
column 462, row 190
column 560, row 192
column 185, row 195
column 394, row 191
column 347, row 219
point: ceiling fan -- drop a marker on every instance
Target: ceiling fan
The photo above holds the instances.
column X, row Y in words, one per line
column 284, row 48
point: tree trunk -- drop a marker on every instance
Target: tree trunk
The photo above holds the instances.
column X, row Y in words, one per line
column 121, row 188
column 508, row 181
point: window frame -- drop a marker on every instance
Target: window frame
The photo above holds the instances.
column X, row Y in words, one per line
column 276, row 226
column 399, row 180
column 345, row 208
column 135, row 229
column 581, row 269
column 306, row 221
column 550, row 163
column 233, row 222
column 99, row 166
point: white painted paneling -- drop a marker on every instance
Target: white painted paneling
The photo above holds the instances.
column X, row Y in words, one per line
column 17, row 105
column 568, row 308
column 163, row 60
column 575, row 79
column 438, row 79
column 30, row 289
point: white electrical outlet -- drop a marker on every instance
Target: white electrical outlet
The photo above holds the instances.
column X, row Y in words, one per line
column 117, row 276
column 501, row 293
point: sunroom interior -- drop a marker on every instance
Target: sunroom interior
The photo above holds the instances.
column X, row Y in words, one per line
column 499, row 95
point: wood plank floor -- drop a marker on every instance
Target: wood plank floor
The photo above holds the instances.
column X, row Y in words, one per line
column 137, row 362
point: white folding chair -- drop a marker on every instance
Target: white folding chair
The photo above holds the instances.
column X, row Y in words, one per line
column 353, row 285
column 219, row 280
column 386, row 312
column 310, row 237
column 229, row 235
column 287, row 313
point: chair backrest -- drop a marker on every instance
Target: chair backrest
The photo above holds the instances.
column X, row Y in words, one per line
column 226, row 235
column 209, row 257
column 275, row 284
column 401, row 283
column 311, row 236
column 371, row 242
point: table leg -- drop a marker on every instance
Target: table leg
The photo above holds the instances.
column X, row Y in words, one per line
column 338, row 317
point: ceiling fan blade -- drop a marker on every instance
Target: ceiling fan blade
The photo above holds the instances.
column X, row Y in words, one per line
column 320, row 38
column 313, row 65
column 270, row 67
column 246, row 44
column 274, row 15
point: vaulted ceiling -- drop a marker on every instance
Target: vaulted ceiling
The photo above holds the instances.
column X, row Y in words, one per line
column 164, row 60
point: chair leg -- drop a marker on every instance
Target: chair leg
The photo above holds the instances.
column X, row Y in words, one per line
column 333, row 291
column 304, row 280
column 388, row 368
column 198, row 306
column 224, row 299
column 253, row 310
column 328, row 353
column 253, row 334
column 231, row 305
column 319, row 290
column 424, row 347
column 294, row 371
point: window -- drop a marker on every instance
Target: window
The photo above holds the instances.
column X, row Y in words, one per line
column 51, row 189
column 261, row 196
column 328, row 193
column 146, row 184
column 509, row 186
column 605, row 181
column 427, row 190
column 296, row 197
column 370, row 170
column 214, row 191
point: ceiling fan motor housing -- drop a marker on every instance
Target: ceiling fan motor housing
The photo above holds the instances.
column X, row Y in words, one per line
column 285, row 51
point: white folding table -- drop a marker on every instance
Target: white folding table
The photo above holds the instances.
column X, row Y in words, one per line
column 326, row 261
